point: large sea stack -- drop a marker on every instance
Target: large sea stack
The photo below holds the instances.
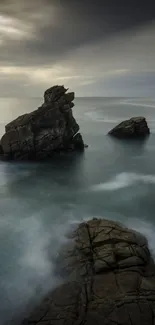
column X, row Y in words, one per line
column 48, row 129
column 110, row 280
column 135, row 127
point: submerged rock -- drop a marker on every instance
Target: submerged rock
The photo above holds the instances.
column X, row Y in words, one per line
column 50, row 128
column 110, row 279
column 136, row 127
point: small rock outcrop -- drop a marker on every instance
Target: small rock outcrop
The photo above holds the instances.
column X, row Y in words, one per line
column 50, row 128
column 136, row 127
column 110, row 280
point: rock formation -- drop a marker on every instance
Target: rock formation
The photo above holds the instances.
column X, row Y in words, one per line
column 50, row 128
column 110, row 280
column 136, row 127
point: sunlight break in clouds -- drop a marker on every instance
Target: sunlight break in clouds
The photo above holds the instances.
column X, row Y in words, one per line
column 57, row 74
column 14, row 29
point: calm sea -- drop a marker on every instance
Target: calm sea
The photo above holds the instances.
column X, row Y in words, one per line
column 39, row 202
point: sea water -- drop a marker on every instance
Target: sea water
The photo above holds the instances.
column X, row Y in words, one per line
column 39, row 202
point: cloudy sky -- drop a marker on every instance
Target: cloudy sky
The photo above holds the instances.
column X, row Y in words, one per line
column 97, row 48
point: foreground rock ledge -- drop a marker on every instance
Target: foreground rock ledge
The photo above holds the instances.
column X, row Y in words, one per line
column 51, row 128
column 110, row 280
column 136, row 127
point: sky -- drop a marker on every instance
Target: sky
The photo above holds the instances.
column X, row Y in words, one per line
column 96, row 48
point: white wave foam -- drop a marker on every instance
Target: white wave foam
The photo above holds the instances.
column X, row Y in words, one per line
column 116, row 120
column 33, row 267
column 96, row 116
column 124, row 180
column 129, row 102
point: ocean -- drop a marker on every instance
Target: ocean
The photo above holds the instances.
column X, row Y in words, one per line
column 39, row 202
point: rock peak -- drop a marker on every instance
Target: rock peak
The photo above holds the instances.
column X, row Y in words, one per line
column 54, row 93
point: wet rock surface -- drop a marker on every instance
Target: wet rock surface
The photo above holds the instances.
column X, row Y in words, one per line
column 136, row 127
column 110, row 280
column 39, row 134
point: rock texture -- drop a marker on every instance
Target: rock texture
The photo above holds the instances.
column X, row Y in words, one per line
column 110, row 280
column 136, row 127
column 50, row 128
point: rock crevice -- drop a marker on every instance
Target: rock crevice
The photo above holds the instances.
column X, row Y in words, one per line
column 110, row 279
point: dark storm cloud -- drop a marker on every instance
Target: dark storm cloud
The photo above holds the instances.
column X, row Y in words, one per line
column 83, row 22
column 90, row 46
column 57, row 27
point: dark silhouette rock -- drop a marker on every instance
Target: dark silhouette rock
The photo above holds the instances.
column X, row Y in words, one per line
column 1, row 150
column 110, row 279
column 136, row 127
column 50, row 128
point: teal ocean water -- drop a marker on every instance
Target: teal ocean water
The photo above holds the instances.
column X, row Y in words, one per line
column 40, row 201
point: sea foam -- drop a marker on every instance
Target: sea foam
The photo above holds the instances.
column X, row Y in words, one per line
column 123, row 180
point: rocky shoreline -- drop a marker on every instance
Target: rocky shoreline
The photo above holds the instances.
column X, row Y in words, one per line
column 110, row 279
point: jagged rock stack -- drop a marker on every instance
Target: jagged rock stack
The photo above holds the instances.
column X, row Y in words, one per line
column 48, row 129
